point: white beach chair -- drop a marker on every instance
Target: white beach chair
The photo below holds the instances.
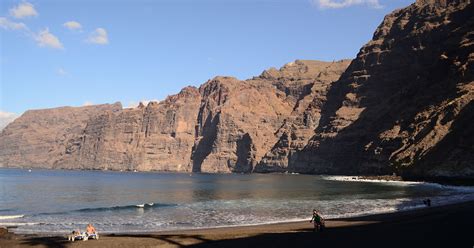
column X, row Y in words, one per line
column 74, row 237
column 93, row 236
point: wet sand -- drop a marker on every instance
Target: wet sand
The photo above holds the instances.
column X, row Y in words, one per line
column 443, row 226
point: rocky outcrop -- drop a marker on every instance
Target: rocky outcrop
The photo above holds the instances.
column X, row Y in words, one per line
column 239, row 122
column 404, row 104
column 40, row 137
column 306, row 84
column 227, row 125
column 158, row 137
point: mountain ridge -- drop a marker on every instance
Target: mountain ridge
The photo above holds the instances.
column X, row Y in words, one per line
column 404, row 105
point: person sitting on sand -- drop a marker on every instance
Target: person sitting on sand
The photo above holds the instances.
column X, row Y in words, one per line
column 90, row 230
column 318, row 221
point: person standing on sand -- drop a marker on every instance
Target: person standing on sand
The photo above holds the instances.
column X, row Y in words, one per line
column 318, row 221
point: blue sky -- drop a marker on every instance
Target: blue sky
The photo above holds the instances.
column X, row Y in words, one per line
column 56, row 53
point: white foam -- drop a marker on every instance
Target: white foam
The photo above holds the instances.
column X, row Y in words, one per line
column 467, row 189
column 18, row 223
column 360, row 179
column 9, row 217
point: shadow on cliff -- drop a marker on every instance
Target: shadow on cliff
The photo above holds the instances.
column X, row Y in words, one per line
column 244, row 154
column 400, row 84
column 204, row 146
column 456, row 146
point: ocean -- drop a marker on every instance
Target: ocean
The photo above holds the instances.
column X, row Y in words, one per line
column 59, row 201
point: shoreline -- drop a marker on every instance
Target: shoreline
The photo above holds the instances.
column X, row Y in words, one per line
column 467, row 189
column 457, row 217
column 444, row 181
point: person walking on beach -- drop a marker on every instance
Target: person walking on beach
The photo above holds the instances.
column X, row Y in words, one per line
column 318, row 221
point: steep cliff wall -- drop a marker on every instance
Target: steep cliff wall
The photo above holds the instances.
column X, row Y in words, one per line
column 306, row 84
column 405, row 103
column 227, row 125
column 239, row 122
column 158, row 137
column 39, row 138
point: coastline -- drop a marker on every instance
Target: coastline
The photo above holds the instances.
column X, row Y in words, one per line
column 437, row 226
column 447, row 181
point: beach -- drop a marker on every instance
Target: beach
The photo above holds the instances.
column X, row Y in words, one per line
column 436, row 226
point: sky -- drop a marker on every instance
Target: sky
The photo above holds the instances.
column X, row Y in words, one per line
column 81, row 52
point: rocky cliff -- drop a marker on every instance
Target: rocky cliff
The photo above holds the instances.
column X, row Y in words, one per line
column 405, row 104
column 227, row 125
column 40, row 137
column 241, row 123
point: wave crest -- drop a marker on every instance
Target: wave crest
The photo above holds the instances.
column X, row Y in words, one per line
column 9, row 217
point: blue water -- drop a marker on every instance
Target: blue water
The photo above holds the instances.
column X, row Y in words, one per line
column 59, row 201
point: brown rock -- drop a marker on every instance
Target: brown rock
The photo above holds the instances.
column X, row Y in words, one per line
column 158, row 137
column 226, row 125
column 39, row 138
column 405, row 103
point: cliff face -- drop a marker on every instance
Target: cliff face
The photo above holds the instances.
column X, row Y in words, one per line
column 40, row 137
column 156, row 137
column 306, row 87
column 241, row 123
column 405, row 103
column 226, row 125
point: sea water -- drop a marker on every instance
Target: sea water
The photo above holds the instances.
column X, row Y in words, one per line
column 57, row 201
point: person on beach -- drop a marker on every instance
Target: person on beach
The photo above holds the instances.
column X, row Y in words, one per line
column 90, row 230
column 318, row 221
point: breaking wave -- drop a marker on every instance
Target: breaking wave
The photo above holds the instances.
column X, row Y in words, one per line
column 9, row 217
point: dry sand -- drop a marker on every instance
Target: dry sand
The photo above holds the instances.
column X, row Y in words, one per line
column 444, row 226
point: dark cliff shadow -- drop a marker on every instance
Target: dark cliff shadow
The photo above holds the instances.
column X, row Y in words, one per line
column 53, row 242
column 244, row 154
column 204, row 147
column 400, row 84
column 456, row 146
column 174, row 239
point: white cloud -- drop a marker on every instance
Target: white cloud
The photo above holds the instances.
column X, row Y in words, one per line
column 23, row 10
column 87, row 103
column 6, row 118
column 337, row 4
column 46, row 39
column 99, row 36
column 9, row 25
column 72, row 25
column 61, row 72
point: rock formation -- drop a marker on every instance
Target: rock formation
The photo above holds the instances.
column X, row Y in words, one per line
column 40, row 137
column 405, row 104
column 227, row 125
column 241, row 121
